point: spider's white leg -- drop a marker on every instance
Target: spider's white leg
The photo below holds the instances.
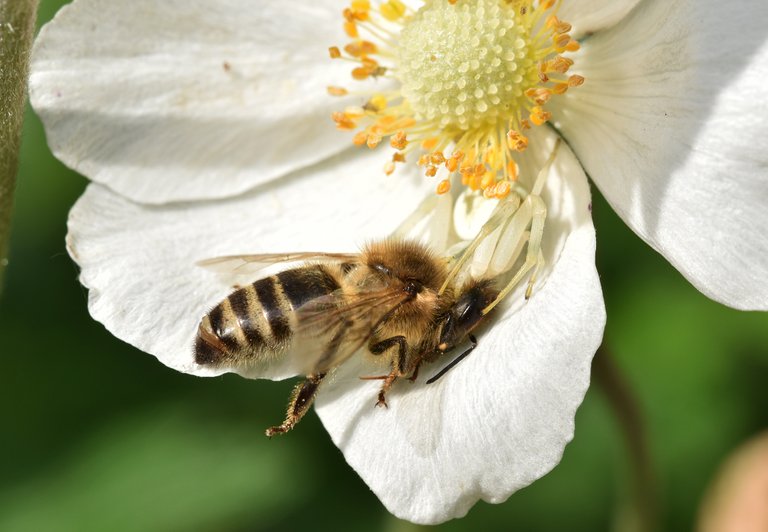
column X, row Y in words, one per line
column 536, row 214
column 511, row 241
column 538, row 218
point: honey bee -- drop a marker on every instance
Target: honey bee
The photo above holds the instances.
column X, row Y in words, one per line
column 393, row 301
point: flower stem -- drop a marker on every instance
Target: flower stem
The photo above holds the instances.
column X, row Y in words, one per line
column 641, row 516
column 17, row 27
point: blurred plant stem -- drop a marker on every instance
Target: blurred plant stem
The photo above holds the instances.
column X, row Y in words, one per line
column 17, row 28
column 642, row 513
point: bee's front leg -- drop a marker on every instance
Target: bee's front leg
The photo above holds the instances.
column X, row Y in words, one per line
column 302, row 397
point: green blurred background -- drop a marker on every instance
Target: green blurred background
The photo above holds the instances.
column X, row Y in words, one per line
column 99, row 436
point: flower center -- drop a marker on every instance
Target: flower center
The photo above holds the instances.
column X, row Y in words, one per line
column 474, row 76
column 465, row 66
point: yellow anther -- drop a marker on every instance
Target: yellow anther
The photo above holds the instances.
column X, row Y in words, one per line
column 389, row 167
column 517, row 141
column 557, row 25
column 360, row 138
column 350, row 28
column 488, row 180
column 398, row 141
column 373, row 140
column 452, row 164
column 539, row 95
column 430, row 143
column 575, row 80
column 559, row 64
column 379, row 102
column 437, row 158
column 361, row 73
column 423, row 160
column 361, row 5
column 334, row 52
column 561, row 41
column 551, row 21
column 572, row 46
column 546, row 4
column 431, row 171
column 337, row 91
column 398, row 157
column 539, row 116
column 370, row 68
column 360, row 48
column 355, row 15
column 502, row 189
column 392, row 10
column 560, row 88
column 443, row 186
column 343, row 121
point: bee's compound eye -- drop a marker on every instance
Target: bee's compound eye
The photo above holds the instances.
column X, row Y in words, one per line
column 412, row 288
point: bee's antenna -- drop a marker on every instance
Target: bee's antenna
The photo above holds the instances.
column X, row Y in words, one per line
column 455, row 361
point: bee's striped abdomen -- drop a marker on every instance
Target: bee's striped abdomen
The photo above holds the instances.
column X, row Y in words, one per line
column 257, row 318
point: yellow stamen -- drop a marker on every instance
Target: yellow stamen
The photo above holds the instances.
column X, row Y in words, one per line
column 392, row 10
column 398, row 140
column 350, row 28
column 474, row 77
column 378, row 102
column 337, row 91
column 360, row 48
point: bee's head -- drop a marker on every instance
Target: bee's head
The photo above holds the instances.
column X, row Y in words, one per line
column 466, row 313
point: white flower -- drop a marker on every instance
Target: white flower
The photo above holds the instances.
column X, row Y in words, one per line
column 186, row 113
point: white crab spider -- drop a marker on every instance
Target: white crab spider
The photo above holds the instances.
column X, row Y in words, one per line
column 516, row 220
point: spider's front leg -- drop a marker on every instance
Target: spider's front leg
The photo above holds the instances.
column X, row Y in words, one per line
column 533, row 213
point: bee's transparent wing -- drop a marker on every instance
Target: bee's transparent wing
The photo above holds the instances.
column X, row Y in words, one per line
column 339, row 324
column 253, row 264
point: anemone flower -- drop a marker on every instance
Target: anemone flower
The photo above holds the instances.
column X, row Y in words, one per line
column 205, row 127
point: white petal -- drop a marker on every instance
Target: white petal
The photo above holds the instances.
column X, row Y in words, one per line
column 138, row 261
column 501, row 418
column 181, row 100
column 671, row 124
column 589, row 16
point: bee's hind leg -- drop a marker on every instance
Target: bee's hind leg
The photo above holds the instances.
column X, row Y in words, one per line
column 302, row 397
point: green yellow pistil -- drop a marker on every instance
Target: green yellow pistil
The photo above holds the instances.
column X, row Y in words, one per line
column 474, row 76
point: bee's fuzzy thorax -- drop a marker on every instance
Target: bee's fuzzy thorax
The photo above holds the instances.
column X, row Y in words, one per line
column 407, row 261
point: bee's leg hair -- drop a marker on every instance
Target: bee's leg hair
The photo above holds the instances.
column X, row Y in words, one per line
column 302, row 397
column 398, row 365
column 415, row 374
